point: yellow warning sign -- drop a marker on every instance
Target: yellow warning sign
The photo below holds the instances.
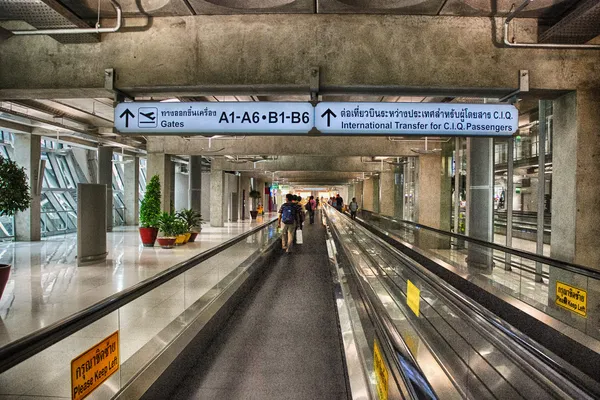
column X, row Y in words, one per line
column 413, row 297
column 572, row 298
column 93, row 367
column 381, row 373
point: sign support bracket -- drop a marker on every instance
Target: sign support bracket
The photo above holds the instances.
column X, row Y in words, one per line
column 523, row 87
column 110, row 76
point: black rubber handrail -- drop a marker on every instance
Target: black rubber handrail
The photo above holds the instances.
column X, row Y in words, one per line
column 574, row 268
column 30, row 345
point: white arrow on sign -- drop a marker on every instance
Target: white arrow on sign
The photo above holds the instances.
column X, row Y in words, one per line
column 439, row 119
column 207, row 117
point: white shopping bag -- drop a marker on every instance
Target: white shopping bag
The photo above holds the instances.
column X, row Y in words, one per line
column 299, row 239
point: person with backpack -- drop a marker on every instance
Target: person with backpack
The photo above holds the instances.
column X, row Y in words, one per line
column 310, row 206
column 339, row 202
column 299, row 214
column 353, row 208
column 288, row 215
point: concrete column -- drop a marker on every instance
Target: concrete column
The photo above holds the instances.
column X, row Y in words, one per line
column 480, row 205
column 132, row 190
column 195, row 183
column 245, row 200
column 27, row 154
column 358, row 193
column 387, row 193
column 399, row 192
column 446, row 186
column 217, row 200
column 376, row 193
column 160, row 164
column 105, row 177
column 181, row 190
column 575, row 183
column 368, row 194
column 429, row 185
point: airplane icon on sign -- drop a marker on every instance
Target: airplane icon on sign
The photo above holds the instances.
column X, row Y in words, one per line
column 147, row 117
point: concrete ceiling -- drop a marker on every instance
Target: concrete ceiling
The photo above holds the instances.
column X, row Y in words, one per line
column 90, row 120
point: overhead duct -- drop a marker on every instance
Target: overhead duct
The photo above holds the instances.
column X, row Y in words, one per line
column 38, row 13
column 578, row 27
column 514, row 43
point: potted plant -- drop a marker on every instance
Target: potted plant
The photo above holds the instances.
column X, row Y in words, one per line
column 181, row 232
column 194, row 222
column 169, row 226
column 150, row 212
column 254, row 195
column 14, row 196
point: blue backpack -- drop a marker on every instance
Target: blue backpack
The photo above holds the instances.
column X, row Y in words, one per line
column 288, row 213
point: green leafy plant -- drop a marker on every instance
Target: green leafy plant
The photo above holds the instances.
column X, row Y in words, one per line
column 254, row 194
column 14, row 190
column 193, row 219
column 150, row 207
column 169, row 224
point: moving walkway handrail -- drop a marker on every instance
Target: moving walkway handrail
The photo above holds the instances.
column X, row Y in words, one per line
column 394, row 340
column 575, row 268
column 30, row 345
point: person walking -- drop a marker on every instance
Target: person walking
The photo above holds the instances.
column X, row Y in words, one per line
column 288, row 215
column 339, row 201
column 310, row 206
column 353, row 208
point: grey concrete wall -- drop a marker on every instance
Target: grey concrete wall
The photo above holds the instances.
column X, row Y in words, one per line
column 429, row 190
column 182, row 186
column 195, row 183
column 575, row 186
column 205, row 194
column 27, row 154
column 105, row 176
column 368, row 195
column 387, row 193
column 161, row 165
column 242, row 49
column 564, row 178
column 217, row 198
column 131, row 195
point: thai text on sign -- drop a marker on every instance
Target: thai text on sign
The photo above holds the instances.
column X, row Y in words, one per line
column 381, row 373
column 94, row 366
column 572, row 298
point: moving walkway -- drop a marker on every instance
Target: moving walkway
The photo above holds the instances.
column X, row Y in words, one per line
column 337, row 318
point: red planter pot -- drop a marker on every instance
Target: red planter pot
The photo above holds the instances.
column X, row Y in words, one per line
column 166, row 242
column 4, row 274
column 148, row 236
column 193, row 237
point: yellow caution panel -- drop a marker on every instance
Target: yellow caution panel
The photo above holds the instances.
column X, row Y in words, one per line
column 94, row 366
column 381, row 373
column 413, row 297
column 572, row 298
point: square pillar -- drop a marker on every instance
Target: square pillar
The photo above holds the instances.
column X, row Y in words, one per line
column 575, row 184
column 27, row 154
column 217, row 200
column 195, row 183
column 480, row 201
column 429, row 186
column 368, row 194
column 160, row 164
column 387, row 193
column 105, row 177
column 132, row 190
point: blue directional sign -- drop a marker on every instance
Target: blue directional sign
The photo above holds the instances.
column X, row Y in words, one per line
column 262, row 118
column 439, row 119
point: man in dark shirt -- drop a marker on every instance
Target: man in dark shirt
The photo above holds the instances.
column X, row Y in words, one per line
column 339, row 202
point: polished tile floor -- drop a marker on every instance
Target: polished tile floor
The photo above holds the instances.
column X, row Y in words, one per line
column 46, row 285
